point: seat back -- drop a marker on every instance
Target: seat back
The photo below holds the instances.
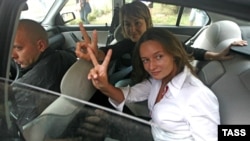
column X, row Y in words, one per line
column 229, row 79
column 56, row 118
column 75, row 82
column 217, row 35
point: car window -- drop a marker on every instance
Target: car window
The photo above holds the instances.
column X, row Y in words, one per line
column 162, row 14
column 100, row 14
column 167, row 15
column 63, row 118
column 37, row 9
column 194, row 17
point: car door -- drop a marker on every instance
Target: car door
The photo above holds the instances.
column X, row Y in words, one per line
column 9, row 11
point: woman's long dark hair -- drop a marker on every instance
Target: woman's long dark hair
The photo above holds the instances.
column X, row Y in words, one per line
column 170, row 43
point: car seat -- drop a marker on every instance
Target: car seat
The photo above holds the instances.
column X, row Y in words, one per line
column 228, row 79
column 56, row 118
column 216, row 37
column 118, row 36
column 218, row 34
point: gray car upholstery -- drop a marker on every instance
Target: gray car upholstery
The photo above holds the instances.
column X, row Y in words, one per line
column 230, row 79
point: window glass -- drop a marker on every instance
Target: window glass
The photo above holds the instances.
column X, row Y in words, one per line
column 194, row 17
column 167, row 14
column 98, row 12
column 37, row 9
column 164, row 14
column 95, row 123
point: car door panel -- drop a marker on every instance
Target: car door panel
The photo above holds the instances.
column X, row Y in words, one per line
column 73, row 34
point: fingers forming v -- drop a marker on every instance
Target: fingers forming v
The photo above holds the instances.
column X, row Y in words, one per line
column 94, row 60
column 94, row 42
column 84, row 33
column 92, row 57
column 107, row 59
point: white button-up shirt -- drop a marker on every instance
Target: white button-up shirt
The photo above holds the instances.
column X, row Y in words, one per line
column 188, row 111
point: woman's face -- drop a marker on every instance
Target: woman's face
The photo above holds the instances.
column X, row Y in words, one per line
column 156, row 61
column 134, row 27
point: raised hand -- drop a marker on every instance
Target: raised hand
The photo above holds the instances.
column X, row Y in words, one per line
column 98, row 74
column 81, row 47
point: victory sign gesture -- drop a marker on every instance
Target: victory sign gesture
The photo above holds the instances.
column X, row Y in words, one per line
column 99, row 77
column 81, row 46
column 98, row 74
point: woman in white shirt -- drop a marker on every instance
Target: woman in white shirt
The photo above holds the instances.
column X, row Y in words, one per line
column 181, row 106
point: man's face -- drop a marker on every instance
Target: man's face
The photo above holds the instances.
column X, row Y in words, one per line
column 25, row 52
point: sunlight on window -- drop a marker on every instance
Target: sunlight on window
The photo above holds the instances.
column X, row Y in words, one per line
column 100, row 14
column 37, row 9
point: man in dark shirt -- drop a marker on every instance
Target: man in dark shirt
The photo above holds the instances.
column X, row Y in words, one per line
column 40, row 66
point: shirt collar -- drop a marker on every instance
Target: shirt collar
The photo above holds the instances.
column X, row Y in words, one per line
column 177, row 82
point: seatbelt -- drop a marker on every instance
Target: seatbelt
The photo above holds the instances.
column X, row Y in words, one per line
column 191, row 41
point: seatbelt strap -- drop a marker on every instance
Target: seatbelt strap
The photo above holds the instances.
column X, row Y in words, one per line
column 191, row 41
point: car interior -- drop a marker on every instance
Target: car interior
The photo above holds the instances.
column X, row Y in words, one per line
column 228, row 82
column 229, row 79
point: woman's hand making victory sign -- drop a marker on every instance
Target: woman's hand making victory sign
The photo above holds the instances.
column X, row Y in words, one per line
column 81, row 47
column 99, row 77
column 98, row 74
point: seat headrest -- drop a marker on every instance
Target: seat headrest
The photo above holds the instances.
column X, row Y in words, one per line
column 118, row 33
column 75, row 82
column 223, row 30
column 218, row 35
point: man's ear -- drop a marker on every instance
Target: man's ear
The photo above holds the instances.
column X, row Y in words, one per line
column 42, row 45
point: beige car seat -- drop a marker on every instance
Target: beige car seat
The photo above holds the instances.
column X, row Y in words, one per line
column 56, row 118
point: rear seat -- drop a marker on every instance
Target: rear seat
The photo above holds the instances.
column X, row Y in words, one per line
column 230, row 79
